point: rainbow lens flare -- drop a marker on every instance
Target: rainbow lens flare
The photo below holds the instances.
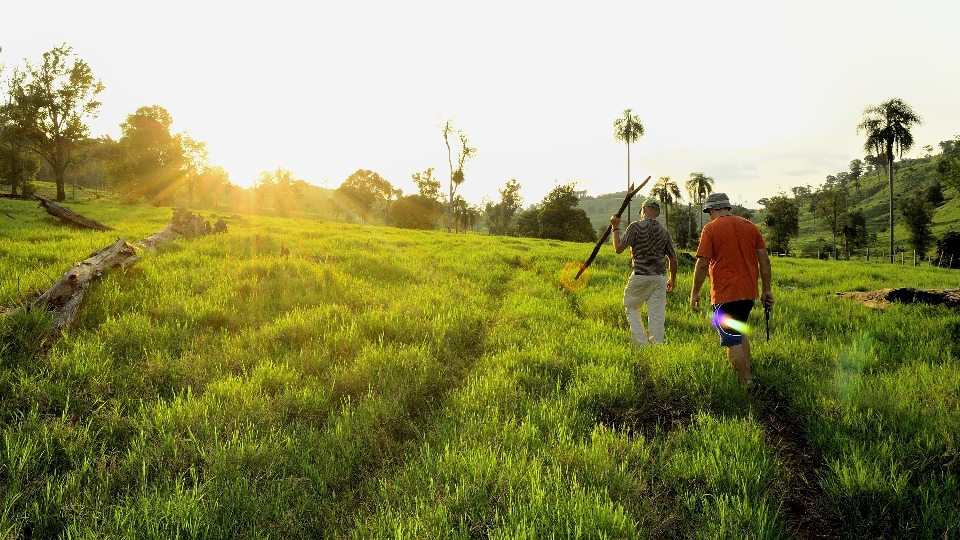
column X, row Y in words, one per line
column 723, row 320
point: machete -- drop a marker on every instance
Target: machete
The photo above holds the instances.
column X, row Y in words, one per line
column 766, row 311
column 606, row 233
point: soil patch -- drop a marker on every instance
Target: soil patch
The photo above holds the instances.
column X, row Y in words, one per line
column 807, row 514
column 906, row 295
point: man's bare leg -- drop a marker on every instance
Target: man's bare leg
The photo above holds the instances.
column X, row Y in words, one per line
column 739, row 358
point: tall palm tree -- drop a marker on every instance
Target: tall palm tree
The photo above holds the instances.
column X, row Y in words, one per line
column 699, row 186
column 887, row 127
column 628, row 129
column 668, row 192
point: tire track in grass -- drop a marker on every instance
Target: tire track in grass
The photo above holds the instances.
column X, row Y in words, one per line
column 807, row 515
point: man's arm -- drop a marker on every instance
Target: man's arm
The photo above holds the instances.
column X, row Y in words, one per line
column 617, row 244
column 700, row 273
column 766, row 295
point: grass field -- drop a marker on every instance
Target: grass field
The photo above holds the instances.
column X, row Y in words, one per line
column 383, row 383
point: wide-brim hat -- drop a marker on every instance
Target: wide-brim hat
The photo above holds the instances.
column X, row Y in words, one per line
column 716, row 201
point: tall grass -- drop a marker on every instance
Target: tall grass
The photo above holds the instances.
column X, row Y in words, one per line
column 384, row 383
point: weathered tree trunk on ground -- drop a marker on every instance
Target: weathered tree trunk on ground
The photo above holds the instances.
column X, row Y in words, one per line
column 69, row 216
column 66, row 295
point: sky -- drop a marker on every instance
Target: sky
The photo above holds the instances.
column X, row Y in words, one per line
column 759, row 95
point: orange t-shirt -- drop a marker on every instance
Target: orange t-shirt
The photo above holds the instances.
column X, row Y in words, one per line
column 731, row 243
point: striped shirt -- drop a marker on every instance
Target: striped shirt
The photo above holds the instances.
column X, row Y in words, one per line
column 650, row 244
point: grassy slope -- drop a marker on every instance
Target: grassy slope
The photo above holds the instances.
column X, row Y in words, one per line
column 385, row 383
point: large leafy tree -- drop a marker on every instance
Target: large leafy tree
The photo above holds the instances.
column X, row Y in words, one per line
column 887, row 128
column 699, row 187
column 628, row 129
column 150, row 160
column 560, row 219
column 50, row 103
column 668, row 192
column 782, row 220
column 459, row 151
column 364, row 188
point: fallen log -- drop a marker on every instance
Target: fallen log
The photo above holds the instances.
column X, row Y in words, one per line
column 66, row 295
column 69, row 216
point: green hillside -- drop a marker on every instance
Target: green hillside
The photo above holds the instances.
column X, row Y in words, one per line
column 911, row 176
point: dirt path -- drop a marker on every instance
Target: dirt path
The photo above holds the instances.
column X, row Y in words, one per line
column 806, row 515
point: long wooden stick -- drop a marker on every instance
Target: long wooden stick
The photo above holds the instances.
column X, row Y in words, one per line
column 606, row 233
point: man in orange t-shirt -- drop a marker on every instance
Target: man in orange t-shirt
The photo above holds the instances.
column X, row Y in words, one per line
column 734, row 254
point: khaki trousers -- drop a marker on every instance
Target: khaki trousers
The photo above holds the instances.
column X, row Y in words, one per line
column 650, row 290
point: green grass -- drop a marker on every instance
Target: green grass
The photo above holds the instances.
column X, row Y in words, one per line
column 382, row 383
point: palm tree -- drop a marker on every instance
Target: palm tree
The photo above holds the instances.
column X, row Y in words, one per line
column 888, row 127
column 699, row 186
column 629, row 130
column 668, row 192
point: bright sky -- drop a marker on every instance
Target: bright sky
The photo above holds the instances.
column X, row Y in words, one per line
column 760, row 95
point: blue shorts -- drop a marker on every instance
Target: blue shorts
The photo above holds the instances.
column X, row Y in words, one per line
column 730, row 318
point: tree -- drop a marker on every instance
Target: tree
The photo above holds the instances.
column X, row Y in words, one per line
column 854, row 230
column 949, row 249
column 212, row 185
column 682, row 227
column 364, row 188
column 560, row 219
column 196, row 159
column 699, row 187
column 917, row 215
column 500, row 215
column 415, row 212
column 459, row 146
column 668, row 192
column 427, row 186
column 948, row 168
column 149, row 160
column 831, row 206
column 783, row 221
column 887, row 128
column 50, row 103
column 280, row 186
column 18, row 166
column 935, row 193
column 420, row 211
column 628, row 129
column 856, row 171
column 528, row 222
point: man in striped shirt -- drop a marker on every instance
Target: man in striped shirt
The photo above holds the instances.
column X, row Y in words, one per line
column 651, row 248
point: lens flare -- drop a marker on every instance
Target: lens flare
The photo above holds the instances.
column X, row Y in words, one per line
column 568, row 276
column 723, row 320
